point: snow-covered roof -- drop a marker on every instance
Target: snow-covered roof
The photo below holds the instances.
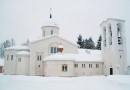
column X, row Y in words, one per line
column 50, row 22
column 33, row 40
column 23, row 53
column 89, row 55
column 17, row 48
column 60, row 56
column 1, row 62
column 83, row 55
column 111, row 19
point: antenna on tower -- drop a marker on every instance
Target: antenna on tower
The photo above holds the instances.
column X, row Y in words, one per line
column 50, row 13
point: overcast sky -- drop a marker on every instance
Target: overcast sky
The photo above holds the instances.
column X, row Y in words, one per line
column 23, row 19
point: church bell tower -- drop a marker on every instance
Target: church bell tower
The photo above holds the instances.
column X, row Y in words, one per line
column 113, row 46
column 50, row 27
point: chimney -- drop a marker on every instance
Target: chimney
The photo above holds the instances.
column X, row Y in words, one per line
column 60, row 48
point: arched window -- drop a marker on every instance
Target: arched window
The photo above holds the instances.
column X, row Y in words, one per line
column 110, row 34
column 44, row 33
column 51, row 32
column 119, row 33
column 11, row 57
column 104, row 34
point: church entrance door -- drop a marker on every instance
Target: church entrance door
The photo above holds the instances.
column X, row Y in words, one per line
column 111, row 71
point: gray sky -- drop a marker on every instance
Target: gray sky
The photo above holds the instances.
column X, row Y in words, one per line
column 22, row 19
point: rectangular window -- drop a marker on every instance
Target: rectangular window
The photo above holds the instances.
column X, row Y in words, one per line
column 51, row 49
column 97, row 65
column 38, row 57
column 90, row 65
column 11, row 57
column 7, row 57
column 51, row 32
column 64, row 68
column 44, row 33
column 83, row 65
column 55, row 50
column 19, row 59
column 76, row 65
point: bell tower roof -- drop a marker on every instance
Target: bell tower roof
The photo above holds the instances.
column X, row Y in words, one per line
column 50, row 21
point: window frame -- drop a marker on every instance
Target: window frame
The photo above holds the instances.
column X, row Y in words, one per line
column 64, row 67
column 12, row 57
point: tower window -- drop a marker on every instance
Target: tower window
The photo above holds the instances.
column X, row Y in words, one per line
column 51, row 32
column 110, row 35
column 104, row 34
column 119, row 34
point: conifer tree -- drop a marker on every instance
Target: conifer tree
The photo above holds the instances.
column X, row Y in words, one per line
column 5, row 44
column 99, row 43
column 80, row 41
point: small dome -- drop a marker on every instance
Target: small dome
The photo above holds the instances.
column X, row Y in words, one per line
column 23, row 53
column 50, row 22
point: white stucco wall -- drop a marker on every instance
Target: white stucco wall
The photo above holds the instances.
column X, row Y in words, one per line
column 114, row 56
column 128, row 70
column 10, row 65
column 86, row 71
column 23, row 65
column 43, row 46
column 46, row 30
column 54, row 68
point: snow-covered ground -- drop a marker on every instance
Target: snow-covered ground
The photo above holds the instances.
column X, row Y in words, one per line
column 19, row 82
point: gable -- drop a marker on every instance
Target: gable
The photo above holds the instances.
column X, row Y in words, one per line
column 45, row 45
column 43, row 39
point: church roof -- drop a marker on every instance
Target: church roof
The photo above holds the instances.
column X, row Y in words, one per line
column 17, row 48
column 83, row 55
column 50, row 22
column 47, row 37
column 60, row 56
column 23, row 53
column 111, row 19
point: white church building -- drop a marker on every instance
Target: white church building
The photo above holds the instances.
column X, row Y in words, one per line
column 52, row 55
